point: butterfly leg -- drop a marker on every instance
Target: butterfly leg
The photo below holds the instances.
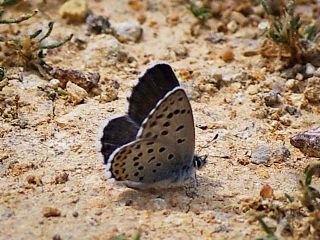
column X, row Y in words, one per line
column 191, row 189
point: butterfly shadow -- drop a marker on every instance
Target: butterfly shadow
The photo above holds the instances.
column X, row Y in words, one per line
column 179, row 199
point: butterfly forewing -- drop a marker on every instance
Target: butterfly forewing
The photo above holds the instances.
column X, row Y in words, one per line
column 147, row 161
column 171, row 122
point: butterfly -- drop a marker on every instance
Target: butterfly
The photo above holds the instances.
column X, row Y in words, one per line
column 153, row 144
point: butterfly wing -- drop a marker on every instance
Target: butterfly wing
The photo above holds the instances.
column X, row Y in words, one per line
column 172, row 122
column 161, row 117
column 116, row 133
column 164, row 147
column 147, row 162
column 153, row 85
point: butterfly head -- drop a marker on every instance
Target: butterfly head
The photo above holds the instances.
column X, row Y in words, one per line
column 199, row 161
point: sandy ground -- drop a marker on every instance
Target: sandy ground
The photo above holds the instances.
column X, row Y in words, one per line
column 55, row 137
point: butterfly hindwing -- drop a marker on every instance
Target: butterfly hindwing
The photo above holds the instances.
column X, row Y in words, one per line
column 117, row 132
column 147, row 161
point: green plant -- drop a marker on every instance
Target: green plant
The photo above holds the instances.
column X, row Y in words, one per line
column 270, row 233
column 201, row 13
column 299, row 218
column 27, row 50
column 286, row 31
column 135, row 237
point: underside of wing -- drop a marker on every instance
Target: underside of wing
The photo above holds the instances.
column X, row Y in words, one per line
column 172, row 122
column 153, row 85
column 117, row 132
column 148, row 161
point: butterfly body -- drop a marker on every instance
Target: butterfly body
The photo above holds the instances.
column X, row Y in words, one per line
column 153, row 145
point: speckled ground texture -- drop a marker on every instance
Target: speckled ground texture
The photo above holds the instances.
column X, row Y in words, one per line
column 50, row 138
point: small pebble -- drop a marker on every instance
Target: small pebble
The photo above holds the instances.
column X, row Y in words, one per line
column 232, row 26
column 61, row 178
column 158, row 204
column 292, row 84
column 77, row 94
column 253, row 89
column 266, row 192
column 308, row 142
column 36, row 180
column 51, row 212
column 281, row 154
column 317, row 72
column 54, row 83
column 310, row 69
column 272, row 99
column 74, row 10
column 239, row 18
column 75, row 214
column 261, row 155
column 56, row 237
column 292, row 110
column 292, row 72
column 312, row 91
column 128, row 31
column 227, row 55
column 7, row 213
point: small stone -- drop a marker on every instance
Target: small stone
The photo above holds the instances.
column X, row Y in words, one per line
column 261, row 155
column 77, row 94
column 292, row 110
column 292, row 84
column 181, row 52
column 98, row 24
column 158, row 204
column 215, row 8
column 285, row 120
column 7, row 213
column 75, row 214
column 266, row 192
column 74, row 10
column 36, row 180
column 54, row 83
column 142, row 18
column 310, row 69
column 239, row 18
column 232, row 26
column 202, row 126
column 281, row 154
column 216, row 37
column 61, row 178
column 292, row 72
column 227, row 55
column 110, row 94
column 312, row 91
column 51, row 212
column 128, row 202
column 299, row 77
column 104, row 45
column 263, row 26
column 272, row 99
column 98, row 213
column 128, row 31
column 56, row 237
column 253, row 89
column 308, row 142
column 135, row 5
column 317, row 72
column 298, row 100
